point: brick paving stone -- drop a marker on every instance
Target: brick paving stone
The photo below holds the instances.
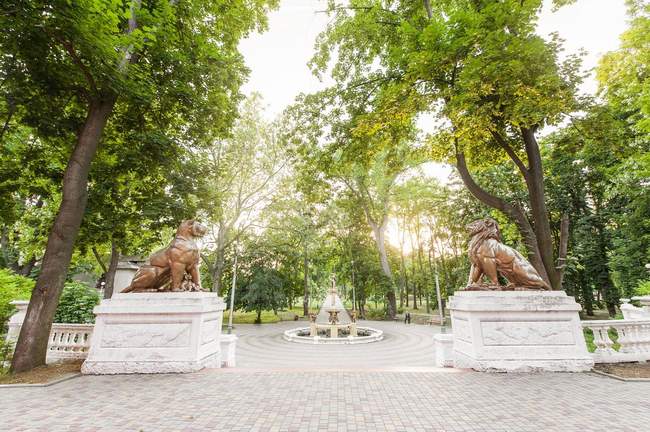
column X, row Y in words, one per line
column 307, row 393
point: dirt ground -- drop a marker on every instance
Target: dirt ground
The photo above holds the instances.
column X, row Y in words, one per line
column 626, row 370
column 42, row 374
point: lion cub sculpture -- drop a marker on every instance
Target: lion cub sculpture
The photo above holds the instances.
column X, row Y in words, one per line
column 175, row 268
column 489, row 257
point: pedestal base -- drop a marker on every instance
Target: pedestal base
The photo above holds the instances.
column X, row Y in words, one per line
column 518, row 331
column 156, row 333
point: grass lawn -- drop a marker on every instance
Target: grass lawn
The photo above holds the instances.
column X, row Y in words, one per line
column 267, row 317
column 242, row 317
column 589, row 338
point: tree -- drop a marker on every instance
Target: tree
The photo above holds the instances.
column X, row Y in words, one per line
column 176, row 62
column 581, row 161
column 481, row 68
column 242, row 173
column 625, row 86
column 336, row 146
column 126, row 210
column 623, row 74
column 260, row 284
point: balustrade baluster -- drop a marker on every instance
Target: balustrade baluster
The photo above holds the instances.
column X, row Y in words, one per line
column 626, row 338
column 601, row 339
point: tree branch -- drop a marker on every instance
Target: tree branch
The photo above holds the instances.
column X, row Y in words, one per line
column 564, row 245
column 427, row 7
column 511, row 153
column 69, row 47
column 99, row 259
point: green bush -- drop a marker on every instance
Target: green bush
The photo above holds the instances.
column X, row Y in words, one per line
column 12, row 287
column 376, row 314
column 643, row 288
column 6, row 352
column 76, row 304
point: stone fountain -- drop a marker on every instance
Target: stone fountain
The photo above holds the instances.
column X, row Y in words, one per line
column 333, row 325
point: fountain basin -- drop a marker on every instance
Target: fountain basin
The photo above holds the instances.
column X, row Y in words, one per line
column 301, row 335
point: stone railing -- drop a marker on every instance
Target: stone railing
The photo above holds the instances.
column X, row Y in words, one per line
column 633, row 338
column 69, row 342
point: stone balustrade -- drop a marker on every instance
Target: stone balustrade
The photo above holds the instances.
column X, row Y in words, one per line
column 69, row 342
column 633, row 338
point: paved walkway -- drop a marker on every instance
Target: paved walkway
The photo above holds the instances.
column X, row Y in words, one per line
column 370, row 396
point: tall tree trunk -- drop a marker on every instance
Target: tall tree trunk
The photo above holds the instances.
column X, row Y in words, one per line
column 402, row 270
column 219, row 260
column 379, row 231
column 27, row 268
column 425, row 280
column 31, row 347
column 305, row 296
column 604, row 279
column 112, row 268
column 4, row 246
column 537, row 198
column 415, row 285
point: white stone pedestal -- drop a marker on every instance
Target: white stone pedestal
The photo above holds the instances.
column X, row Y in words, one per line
column 518, row 331
column 156, row 333
column 229, row 350
column 16, row 320
column 444, row 345
column 123, row 276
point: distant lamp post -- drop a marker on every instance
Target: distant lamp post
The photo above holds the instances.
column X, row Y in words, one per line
column 441, row 313
column 354, row 296
column 232, row 291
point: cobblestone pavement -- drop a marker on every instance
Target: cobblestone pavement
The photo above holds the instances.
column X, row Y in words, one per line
column 222, row 400
column 290, row 396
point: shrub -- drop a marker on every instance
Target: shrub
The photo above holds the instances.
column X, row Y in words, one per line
column 376, row 314
column 76, row 304
column 643, row 288
column 6, row 352
column 12, row 287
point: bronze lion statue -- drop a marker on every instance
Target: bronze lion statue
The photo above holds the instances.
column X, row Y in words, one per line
column 489, row 257
column 175, row 268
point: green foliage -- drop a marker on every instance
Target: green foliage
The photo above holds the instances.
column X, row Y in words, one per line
column 631, row 239
column 12, row 287
column 6, row 353
column 261, row 289
column 643, row 289
column 623, row 74
column 302, row 196
column 76, row 304
column 169, row 74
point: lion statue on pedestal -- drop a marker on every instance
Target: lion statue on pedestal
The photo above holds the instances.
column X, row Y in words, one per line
column 175, row 268
column 489, row 257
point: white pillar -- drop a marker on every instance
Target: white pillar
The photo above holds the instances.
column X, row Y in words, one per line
column 123, row 276
column 16, row 320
